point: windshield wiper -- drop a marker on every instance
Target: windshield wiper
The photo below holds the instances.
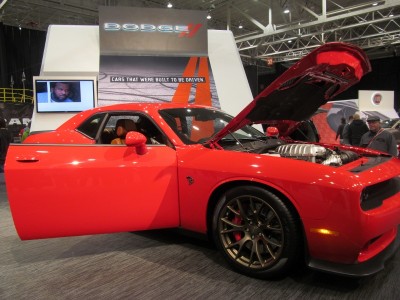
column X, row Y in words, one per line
column 237, row 140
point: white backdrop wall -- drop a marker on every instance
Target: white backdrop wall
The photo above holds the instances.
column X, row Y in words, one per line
column 80, row 57
column 69, row 50
column 384, row 107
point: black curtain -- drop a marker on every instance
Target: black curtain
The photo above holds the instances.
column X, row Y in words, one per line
column 252, row 78
column 3, row 59
column 21, row 50
column 385, row 75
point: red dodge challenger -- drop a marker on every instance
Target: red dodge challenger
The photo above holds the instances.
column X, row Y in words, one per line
column 266, row 201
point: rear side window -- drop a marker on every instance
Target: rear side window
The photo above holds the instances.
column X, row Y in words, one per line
column 91, row 126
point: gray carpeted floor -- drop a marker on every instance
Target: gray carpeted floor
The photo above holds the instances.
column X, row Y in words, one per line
column 155, row 265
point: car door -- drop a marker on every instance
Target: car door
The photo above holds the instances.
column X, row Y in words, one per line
column 66, row 190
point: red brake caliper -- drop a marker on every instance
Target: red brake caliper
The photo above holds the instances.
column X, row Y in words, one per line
column 238, row 235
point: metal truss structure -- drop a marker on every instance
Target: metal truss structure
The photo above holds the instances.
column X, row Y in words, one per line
column 373, row 26
column 266, row 31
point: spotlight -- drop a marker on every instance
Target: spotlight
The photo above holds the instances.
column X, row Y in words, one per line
column 208, row 16
column 169, row 5
column 240, row 26
column 286, row 11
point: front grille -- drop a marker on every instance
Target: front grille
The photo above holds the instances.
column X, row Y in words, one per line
column 374, row 195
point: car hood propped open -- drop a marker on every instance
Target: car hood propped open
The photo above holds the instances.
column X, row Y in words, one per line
column 298, row 93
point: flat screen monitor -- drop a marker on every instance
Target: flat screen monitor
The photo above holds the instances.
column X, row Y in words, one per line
column 64, row 94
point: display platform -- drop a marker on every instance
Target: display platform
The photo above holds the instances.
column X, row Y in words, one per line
column 156, row 265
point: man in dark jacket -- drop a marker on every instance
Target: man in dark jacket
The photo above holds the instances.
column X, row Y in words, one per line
column 339, row 131
column 356, row 130
column 345, row 132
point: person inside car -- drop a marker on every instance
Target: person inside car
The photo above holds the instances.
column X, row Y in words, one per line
column 122, row 127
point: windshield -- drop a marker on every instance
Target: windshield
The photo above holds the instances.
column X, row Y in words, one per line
column 198, row 125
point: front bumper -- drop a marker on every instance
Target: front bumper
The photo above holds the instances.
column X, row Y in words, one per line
column 367, row 268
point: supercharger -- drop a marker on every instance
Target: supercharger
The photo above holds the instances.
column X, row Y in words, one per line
column 316, row 154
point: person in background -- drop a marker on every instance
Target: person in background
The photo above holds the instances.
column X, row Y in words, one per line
column 356, row 130
column 5, row 140
column 339, row 131
column 345, row 133
column 379, row 139
column 26, row 131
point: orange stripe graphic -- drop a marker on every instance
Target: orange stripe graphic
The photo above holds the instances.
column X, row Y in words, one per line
column 202, row 129
column 203, row 93
column 182, row 93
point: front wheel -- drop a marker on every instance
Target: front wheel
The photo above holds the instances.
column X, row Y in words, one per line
column 256, row 231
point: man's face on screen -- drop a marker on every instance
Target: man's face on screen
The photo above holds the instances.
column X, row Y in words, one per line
column 60, row 91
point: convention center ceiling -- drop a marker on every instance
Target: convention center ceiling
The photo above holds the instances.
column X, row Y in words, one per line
column 265, row 30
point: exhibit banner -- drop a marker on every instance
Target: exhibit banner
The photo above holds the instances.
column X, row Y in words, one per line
column 156, row 79
column 17, row 116
column 152, row 31
column 154, row 55
column 329, row 118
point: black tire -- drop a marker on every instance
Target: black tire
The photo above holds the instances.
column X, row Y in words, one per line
column 256, row 232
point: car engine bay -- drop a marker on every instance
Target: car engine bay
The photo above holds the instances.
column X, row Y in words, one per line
column 300, row 151
column 316, row 154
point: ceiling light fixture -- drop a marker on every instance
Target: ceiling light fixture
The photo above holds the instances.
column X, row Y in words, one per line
column 208, row 16
column 286, row 10
column 169, row 5
column 375, row 4
column 240, row 26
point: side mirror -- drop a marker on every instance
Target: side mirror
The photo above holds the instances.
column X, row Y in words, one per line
column 137, row 140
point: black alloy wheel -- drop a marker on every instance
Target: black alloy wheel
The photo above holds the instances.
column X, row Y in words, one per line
column 257, row 233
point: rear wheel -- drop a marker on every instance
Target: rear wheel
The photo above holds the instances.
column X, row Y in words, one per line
column 256, row 231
